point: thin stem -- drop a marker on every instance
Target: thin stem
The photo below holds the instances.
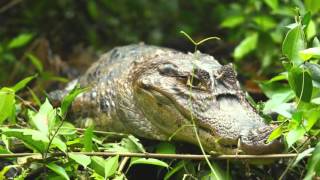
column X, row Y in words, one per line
column 164, row 156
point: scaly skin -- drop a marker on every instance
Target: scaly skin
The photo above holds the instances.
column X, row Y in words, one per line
column 155, row 92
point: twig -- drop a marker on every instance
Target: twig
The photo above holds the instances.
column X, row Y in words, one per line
column 9, row 5
column 163, row 156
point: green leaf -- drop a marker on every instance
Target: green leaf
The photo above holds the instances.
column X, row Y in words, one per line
column 35, row 61
column 265, row 22
column 275, row 134
column 307, row 54
column 150, row 161
column 311, row 118
column 7, row 102
column 35, row 140
column 20, row 40
column 273, row 4
column 87, row 139
column 59, row 144
column 67, row 129
column 294, row 135
column 80, row 159
column 98, row 165
column 313, row 163
column 165, row 148
column 21, row 84
column 232, row 21
column 316, row 100
column 316, row 42
column 314, row 70
column 219, row 173
column 111, row 166
column 311, row 30
column 45, row 118
column 58, row 169
column 301, row 82
column 175, row 169
column 292, row 44
column 302, row 155
column 67, row 100
column 312, row 5
column 246, row 46
column 137, row 143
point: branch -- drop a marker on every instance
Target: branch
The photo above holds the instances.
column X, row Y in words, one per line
column 162, row 156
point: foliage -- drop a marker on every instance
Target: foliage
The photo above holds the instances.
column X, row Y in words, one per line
column 262, row 33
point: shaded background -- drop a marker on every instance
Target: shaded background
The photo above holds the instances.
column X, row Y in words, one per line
column 67, row 33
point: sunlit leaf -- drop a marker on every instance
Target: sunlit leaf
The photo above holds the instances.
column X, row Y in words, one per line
column 312, row 5
column 35, row 140
column 292, row 44
column 44, row 118
column 111, row 166
column 275, row 134
column 294, row 135
column 232, row 21
column 246, row 46
column 307, row 54
column 80, row 159
column 311, row 30
column 7, row 102
column 58, row 170
column 273, row 4
column 67, row 129
column 20, row 40
column 59, row 144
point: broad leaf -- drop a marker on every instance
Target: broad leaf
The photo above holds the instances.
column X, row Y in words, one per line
column 312, row 5
column 57, row 142
column 233, row 21
column 294, row 135
column 301, row 82
column 264, row 22
column 98, row 164
column 314, row 70
column 275, row 134
column 58, row 170
column 273, row 4
column 292, row 44
column 307, row 54
column 7, row 102
column 246, row 46
column 80, row 159
column 111, row 166
column 35, row 140
column 45, row 118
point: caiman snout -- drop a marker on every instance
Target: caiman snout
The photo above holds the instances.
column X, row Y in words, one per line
column 254, row 141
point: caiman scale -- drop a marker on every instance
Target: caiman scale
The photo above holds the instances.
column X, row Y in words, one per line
column 155, row 92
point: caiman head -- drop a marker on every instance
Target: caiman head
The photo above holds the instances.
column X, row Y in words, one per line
column 176, row 91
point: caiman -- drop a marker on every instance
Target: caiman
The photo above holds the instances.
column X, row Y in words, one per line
column 155, row 93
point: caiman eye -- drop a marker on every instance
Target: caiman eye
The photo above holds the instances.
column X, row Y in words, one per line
column 193, row 81
column 168, row 69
